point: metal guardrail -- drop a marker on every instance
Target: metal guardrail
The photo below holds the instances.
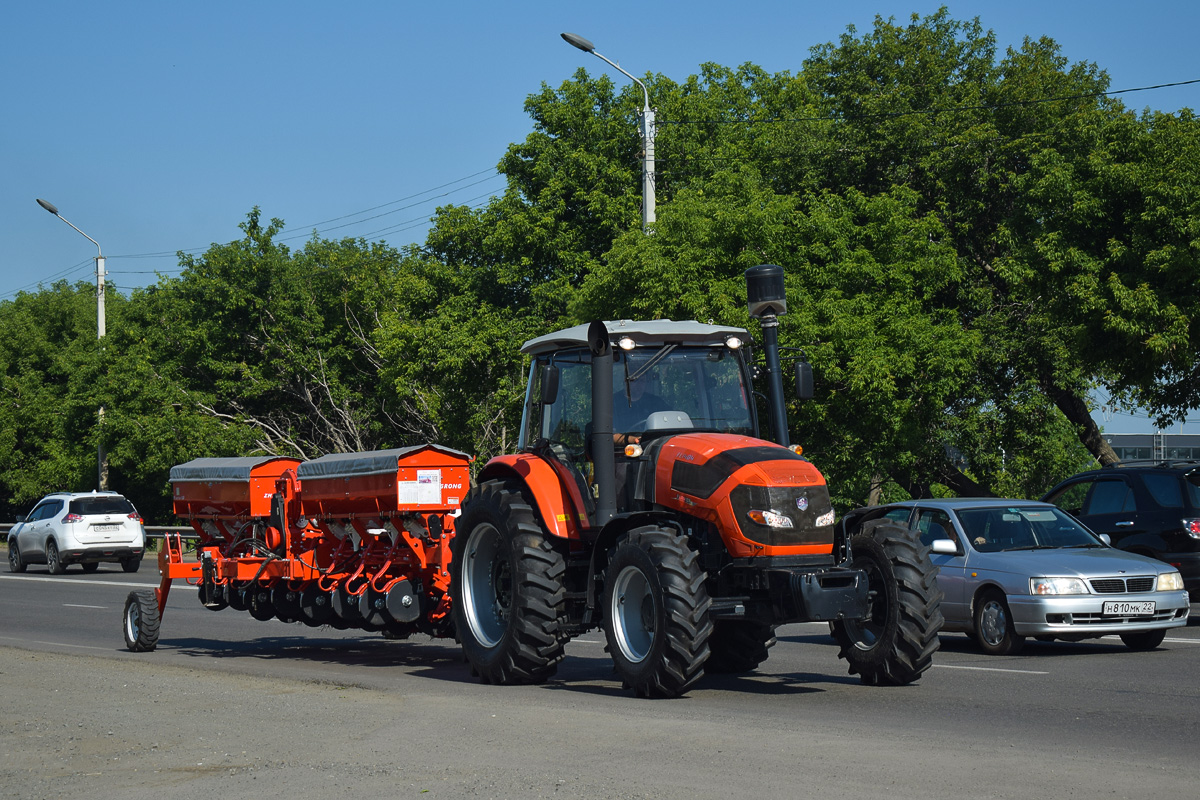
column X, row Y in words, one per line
column 152, row 531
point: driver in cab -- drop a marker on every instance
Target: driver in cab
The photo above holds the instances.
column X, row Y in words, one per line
column 633, row 402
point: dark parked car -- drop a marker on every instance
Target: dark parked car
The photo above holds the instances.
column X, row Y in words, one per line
column 1149, row 508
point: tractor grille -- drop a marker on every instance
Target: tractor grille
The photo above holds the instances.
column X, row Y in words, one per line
column 1122, row 585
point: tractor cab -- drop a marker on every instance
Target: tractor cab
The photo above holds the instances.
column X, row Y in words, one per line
column 667, row 378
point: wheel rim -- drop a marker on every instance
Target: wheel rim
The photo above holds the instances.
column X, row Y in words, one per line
column 633, row 614
column 867, row 632
column 133, row 618
column 993, row 622
column 14, row 560
column 51, row 557
column 486, row 585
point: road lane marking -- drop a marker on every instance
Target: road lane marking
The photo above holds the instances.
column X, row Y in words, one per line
column 81, row 582
column 55, row 644
column 81, row 605
column 992, row 669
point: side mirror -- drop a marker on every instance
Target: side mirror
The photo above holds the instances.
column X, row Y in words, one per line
column 944, row 546
column 804, row 380
column 549, row 385
column 1104, row 537
column 21, row 518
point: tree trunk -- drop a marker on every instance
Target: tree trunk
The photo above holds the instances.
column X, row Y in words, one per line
column 1076, row 411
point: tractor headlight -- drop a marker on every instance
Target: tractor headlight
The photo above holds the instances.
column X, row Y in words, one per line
column 772, row 519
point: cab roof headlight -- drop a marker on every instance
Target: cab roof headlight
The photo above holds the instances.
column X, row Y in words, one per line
column 625, row 343
column 1057, row 586
column 1170, row 582
column 797, row 449
column 633, row 450
column 733, row 342
column 772, row 519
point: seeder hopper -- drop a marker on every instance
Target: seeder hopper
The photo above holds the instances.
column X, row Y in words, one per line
column 352, row 540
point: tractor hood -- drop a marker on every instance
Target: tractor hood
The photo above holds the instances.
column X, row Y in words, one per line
column 775, row 500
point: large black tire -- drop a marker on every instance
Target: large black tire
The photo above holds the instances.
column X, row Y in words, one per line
column 90, row 566
column 15, row 562
column 54, row 564
column 894, row 644
column 656, row 612
column 141, row 621
column 131, row 564
column 739, row 646
column 507, row 584
column 994, row 631
column 1144, row 640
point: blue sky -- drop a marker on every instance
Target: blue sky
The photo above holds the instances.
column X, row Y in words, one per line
column 155, row 127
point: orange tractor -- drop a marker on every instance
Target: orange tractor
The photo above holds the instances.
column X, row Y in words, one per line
column 643, row 501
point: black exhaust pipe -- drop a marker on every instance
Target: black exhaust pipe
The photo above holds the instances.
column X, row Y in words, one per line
column 767, row 300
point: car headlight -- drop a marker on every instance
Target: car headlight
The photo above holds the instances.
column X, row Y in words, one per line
column 1057, row 586
column 1170, row 582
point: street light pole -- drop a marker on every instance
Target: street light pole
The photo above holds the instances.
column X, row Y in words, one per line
column 645, row 125
column 101, row 455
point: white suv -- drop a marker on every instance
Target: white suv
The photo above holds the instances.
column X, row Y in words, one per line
column 82, row 529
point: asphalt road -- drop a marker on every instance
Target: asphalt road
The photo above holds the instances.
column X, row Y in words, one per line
column 234, row 707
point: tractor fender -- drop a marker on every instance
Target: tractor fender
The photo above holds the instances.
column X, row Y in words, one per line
column 557, row 501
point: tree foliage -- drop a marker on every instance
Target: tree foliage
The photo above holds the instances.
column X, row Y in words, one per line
column 974, row 242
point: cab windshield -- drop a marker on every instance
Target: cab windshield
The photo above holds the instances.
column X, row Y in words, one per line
column 654, row 389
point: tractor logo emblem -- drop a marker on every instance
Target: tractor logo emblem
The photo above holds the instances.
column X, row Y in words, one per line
column 802, row 503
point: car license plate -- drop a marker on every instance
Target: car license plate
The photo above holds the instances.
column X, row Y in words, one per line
column 105, row 528
column 1143, row 608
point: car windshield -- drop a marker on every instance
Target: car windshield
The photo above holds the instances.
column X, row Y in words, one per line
column 991, row 530
column 101, row 505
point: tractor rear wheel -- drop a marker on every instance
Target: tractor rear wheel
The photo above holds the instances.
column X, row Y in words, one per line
column 507, row 585
column 739, row 646
column 656, row 612
column 894, row 644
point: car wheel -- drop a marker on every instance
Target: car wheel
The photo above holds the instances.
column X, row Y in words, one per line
column 1143, row 640
column 54, row 563
column 131, row 564
column 90, row 566
column 994, row 632
column 15, row 562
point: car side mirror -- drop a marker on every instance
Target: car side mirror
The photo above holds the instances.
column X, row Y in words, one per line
column 946, row 547
column 549, row 385
column 1104, row 537
column 21, row 518
column 804, row 380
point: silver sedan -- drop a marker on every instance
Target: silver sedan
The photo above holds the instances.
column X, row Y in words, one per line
column 1017, row 568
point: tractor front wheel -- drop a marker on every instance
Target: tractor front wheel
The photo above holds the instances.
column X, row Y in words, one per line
column 894, row 644
column 507, row 585
column 656, row 612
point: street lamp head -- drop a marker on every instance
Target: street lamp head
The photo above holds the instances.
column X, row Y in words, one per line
column 48, row 206
column 573, row 39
